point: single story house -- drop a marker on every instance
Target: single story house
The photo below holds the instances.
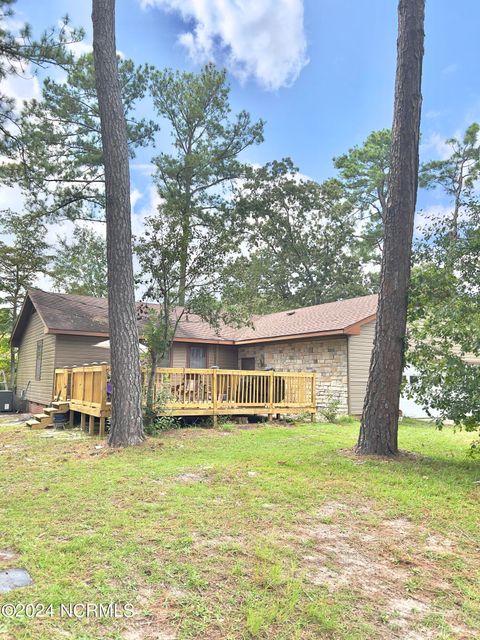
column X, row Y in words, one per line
column 335, row 339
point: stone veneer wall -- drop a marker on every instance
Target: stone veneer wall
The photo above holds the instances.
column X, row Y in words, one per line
column 327, row 356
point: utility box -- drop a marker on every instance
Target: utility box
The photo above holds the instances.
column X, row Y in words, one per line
column 6, row 401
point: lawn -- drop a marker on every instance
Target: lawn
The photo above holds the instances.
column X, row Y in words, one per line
column 246, row 532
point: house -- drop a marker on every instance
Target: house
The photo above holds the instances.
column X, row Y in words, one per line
column 335, row 339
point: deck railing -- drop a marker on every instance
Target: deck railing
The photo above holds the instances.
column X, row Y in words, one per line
column 187, row 391
column 233, row 390
column 62, row 384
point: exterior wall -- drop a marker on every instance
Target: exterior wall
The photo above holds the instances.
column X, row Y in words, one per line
column 359, row 354
column 79, row 350
column 27, row 388
column 327, row 356
column 223, row 356
column 226, row 356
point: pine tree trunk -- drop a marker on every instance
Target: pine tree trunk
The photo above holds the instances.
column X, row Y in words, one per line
column 379, row 428
column 126, row 424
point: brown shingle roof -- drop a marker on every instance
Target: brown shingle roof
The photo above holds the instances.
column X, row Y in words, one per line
column 83, row 315
column 334, row 317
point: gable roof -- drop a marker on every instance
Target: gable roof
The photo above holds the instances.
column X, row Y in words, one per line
column 341, row 317
column 68, row 314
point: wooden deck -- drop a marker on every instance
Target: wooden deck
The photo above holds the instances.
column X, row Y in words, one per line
column 193, row 392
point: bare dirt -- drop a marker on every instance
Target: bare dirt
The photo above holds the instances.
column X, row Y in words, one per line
column 386, row 564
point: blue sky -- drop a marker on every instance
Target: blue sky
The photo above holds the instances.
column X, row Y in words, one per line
column 317, row 109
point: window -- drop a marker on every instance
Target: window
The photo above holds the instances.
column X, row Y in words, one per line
column 38, row 361
column 198, row 357
column 248, row 364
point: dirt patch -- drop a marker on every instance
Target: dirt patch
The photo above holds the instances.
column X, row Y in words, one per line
column 404, row 614
column 152, row 620
column 6, row 555
column 191, row 478
column 148, row 632
column 384, row 563
column 7, row 419
column 439, row 544
column 400, row 457
column 342, row 558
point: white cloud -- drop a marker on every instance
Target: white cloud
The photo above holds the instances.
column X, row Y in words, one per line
column 263, row 39
column 135, row 196
column 435, row 144
column 21, row 85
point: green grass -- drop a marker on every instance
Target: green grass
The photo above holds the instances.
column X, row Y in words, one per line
column 259, row 532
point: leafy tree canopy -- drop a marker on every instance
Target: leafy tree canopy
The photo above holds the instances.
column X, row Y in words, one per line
column 363, row 171
column 194, row 179
column 444, row 314
column 21, row 261
column 19, row 50
column 57, row 157
column 79, row 265
column 444, row 308
column 301, row 239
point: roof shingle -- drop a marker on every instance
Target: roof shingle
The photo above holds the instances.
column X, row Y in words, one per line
column 67, row 313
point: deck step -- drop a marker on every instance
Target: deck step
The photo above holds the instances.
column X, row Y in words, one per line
column 35, row 424
column 50, row 410
column 60, row 406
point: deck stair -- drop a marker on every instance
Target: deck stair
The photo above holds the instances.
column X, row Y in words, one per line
column 45, row 419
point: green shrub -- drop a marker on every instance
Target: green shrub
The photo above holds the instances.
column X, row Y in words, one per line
column 162, row 422
column 330, row 411
column 157, row 418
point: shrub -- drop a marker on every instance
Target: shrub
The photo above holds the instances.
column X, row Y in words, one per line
column 157, row 418
column 162, row 422
column 330, row 411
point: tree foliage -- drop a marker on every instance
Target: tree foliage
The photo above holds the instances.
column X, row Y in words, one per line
column 79, row 265
column 301, row 239
column 364, row 172
column 22, row 259
column 57, row 156
column 19, row 51
column 456, row 175
column 192, row 180
column 444, row 314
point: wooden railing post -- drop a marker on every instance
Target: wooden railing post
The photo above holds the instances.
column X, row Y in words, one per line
column 68, row 383
column 215, row 397
column 103, row 387
column 314, row 397
column 271, row 387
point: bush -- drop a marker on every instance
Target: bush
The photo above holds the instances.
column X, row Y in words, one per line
column 330, row 411
column 157, row 418
column 162, row 422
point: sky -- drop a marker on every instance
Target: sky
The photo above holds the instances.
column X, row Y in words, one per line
column 319, row 72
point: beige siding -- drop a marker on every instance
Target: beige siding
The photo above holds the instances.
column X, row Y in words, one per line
column 227, row 357
column 359, row 354
column 78, row 350
column 223, row 356
column 27, row 387
column 179, row 354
